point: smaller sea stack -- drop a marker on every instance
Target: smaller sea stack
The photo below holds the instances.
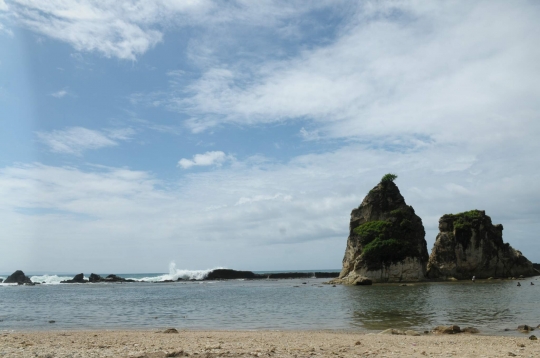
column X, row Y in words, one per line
column 468, row 244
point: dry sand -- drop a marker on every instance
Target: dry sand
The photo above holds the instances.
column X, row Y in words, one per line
column 153, row 344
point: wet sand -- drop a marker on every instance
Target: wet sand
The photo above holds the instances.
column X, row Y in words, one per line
column 156, row 344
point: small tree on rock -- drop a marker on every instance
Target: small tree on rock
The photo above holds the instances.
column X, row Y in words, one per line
column 387, row 178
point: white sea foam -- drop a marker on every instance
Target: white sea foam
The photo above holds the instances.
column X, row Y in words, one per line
column 51, row 279
column 174, row 274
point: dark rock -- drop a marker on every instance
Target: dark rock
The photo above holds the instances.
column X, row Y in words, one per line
column 51, row 321
column 447, row 329
column 115, row 278
column 79, row 278
column 468, row 244
column 525, row 328
column 533, row 338
column 95, row 278
column 363, row 281
column 1, row 280
column 386, row 239
column 170, row 330
column 470, row 330
column 227, row 274
column 18, row 277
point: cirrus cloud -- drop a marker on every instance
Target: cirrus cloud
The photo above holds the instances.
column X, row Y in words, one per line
column 75, row 140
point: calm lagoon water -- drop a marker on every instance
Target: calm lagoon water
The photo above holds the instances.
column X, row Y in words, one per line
column 304, row 304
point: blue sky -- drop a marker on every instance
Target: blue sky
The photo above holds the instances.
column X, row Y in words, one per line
column 241, row 134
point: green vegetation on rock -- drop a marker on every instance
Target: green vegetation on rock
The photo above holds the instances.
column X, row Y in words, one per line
column 387, row 178
column 386, row 241
column 463, row 225
column 371, row 231
column 465, row 216
column 385, row 251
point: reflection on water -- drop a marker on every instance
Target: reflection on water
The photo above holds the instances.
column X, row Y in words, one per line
column 489, row 306
column 383, row 306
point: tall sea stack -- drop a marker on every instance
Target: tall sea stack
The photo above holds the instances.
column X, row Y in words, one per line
column 386, row 240
column 468, row 244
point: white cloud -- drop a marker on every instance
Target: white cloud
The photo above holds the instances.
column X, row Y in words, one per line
column 120, row 133
column 241, row 216
column 3, row 17
column 309, row 135
column 248, row 200
column 128, row 28
column 405, row 70
column 75, row 140
column 206, row 159
column 59, row 94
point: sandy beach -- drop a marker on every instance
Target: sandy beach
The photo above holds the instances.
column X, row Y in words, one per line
column 156, row 344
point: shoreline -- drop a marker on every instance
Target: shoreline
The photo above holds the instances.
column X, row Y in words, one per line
column 265, row 343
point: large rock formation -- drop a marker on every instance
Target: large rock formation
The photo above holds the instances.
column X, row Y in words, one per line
column 468, row 244
column 386, row 241
column 18, row 277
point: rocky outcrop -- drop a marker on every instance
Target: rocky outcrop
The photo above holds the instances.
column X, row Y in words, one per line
column 116, row 278
column 228, row 274
column 95, row 278
column 386, row 240
column 18, row 277
column 79, row 278
column 468, row 245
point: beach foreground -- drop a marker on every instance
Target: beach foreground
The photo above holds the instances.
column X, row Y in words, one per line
column 157, row 344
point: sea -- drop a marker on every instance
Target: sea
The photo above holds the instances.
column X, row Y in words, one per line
column 495, row 307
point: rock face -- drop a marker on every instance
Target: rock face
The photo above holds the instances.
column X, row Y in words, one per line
column 386, row 240
column 18, row 277
column 468, row 244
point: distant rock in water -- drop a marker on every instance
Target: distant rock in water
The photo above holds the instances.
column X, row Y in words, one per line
column 386, row 240
column 468, row 244
column 18, row 277
column 79, row 278
column 94, row 278
column 228, row 274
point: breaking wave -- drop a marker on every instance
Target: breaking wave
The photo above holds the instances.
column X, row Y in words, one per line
column 50, row 279
column 174, row 274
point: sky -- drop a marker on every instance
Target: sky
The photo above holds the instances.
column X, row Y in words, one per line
column 241, row 134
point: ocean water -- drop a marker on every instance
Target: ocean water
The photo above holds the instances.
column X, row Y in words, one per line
column 306, row 304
